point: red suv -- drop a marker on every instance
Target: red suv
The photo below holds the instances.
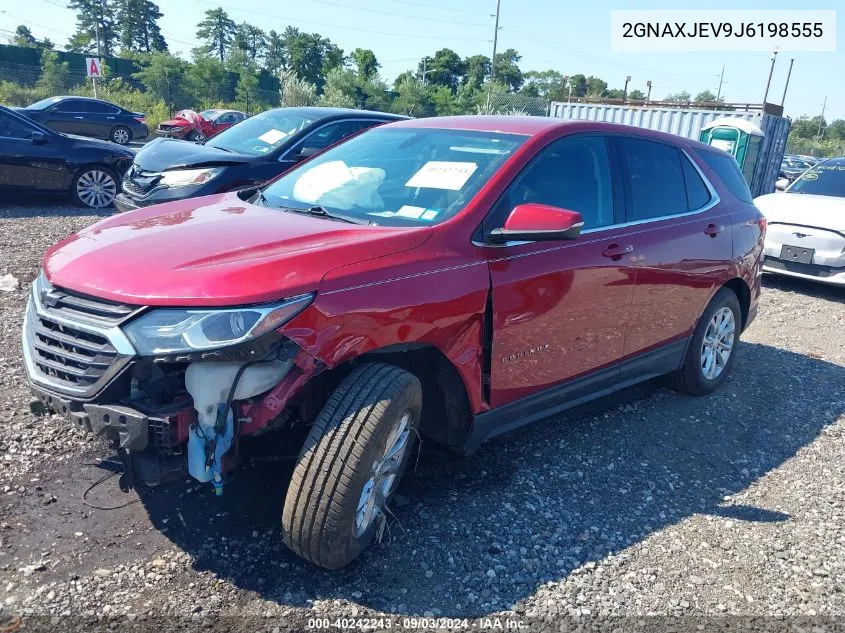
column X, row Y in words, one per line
column 444, row 278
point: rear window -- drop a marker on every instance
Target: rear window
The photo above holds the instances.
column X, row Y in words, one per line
column 655, row 179
column 727, row 170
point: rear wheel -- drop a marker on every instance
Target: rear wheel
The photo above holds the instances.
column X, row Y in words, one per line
column 121, row 135
column 94, row 187
column 351, row 463
column 196, row 137
column 711, row 352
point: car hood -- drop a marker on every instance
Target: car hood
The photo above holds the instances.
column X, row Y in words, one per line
column 85, row 142
column 214, row 251
column 826, row 212
column 171, row 153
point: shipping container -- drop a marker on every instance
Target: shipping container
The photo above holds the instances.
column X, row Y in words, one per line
column 687, row 122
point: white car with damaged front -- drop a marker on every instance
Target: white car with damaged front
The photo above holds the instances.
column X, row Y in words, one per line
column 806, row 225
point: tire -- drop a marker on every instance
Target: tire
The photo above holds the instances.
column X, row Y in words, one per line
column 94, row 186
column 323, row 520
column 692, row 378
column 196, row 137
column 120, row 135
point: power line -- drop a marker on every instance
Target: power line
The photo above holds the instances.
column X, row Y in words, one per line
column 431, row 6
column 347, row 28
column 399, row 15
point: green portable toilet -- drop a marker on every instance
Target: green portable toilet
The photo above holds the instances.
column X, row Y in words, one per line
column 736, row 136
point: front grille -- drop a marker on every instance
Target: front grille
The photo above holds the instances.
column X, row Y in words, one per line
column 138, row 182
column 72, row 342
column 131, row 187
column 68, row 356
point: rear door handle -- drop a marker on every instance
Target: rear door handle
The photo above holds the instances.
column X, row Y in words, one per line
column 78, row 117
column 615, row 252
column 713, row 230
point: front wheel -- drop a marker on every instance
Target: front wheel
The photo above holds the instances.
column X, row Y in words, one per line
column 712, row 350
column 351, row 463
column 94, row 187
column 196, row 137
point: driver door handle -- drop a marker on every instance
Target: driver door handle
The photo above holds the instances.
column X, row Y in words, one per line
column 615, row 251
column 78, row 117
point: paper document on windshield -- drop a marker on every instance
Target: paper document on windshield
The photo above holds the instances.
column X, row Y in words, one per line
column 272, row 137
column 441, row 174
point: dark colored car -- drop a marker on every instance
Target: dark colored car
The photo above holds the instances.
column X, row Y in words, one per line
column 249, row 153
column 197, row 126
column 445, row 278
column 85, row 116
column 35, row 160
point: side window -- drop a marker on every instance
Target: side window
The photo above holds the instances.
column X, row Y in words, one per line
column 70, row 105
column 97, row 107
column 12, row 128
column 332, row 133
column 571, row 173
column 727, row 170
column 654, row 179
column 697, row 192
column 226, row 118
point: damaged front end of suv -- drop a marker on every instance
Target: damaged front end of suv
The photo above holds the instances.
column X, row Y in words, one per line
column 167, row 386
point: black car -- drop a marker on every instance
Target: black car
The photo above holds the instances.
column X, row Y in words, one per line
column 34, row 159
column 251, row 152
column 88, row 117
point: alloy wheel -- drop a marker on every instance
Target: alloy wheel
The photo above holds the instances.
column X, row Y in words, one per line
column 718, row 343
column 96, row 189
column 120, row 136
column 383, row 475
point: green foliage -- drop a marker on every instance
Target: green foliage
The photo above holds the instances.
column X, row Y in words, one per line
column 412, row 99
column 93, row 16
column 507, row 69
column 310, row 56
column 597, row 87
column 251, row 40
column 446, row 68
column 296, row 92
column 365, row 62
column 137, row 21
column 24, row 37
column 341, row 90
column 636, row 95
column 477, row 71
column 163, row 76
column 705, row 96
column 55, row 75
column 217, row 30
column 679, row 97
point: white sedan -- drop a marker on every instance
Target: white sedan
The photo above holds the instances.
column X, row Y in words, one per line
column 806, row 225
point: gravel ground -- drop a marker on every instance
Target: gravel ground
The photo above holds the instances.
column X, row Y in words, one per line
column 645, row 503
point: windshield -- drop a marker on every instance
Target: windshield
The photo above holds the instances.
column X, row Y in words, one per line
column 209, row 114
column 396, row 177
column 825, row 179
column 44, row 103
column 260, row 134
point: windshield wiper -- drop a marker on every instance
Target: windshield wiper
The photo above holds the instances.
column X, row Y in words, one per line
column 322, row 212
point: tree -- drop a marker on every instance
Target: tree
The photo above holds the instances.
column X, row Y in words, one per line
column 476, row 71
column 246, row 91
column 366, row 63
column 342, row 90
column 94, row 17
column 412, row 99
column 163, row 75
column 24, row 37
column 705, row 96
column 636, row 95
column 217, row 29
column 310, row 56
column 804, row 127
column 251, row 40
column 507, row 69
column 205, row 77
column 446, row 68
column 275, row 56
column 55, row 75
column 295, row 92
column 596, row 87
column 836, row 130
column 579, row 85
column 678, row 97
column 138, row 25
column 613, row 93
column 547, row 84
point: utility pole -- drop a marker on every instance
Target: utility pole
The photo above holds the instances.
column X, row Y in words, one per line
column 771, row 70
column 625, row 89
column 648, row 96
column 788, row 75
column 821, row 118
column 721, row 79
column 99, row 62
column 495, row 43
column 424, row 64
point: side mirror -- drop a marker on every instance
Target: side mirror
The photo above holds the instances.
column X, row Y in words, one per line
column 781, row 184
column 535, row 222
column 307, row 152
column 38, row 138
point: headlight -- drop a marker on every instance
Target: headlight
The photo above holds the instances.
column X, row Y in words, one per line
column 185, row 177
column 167, row 331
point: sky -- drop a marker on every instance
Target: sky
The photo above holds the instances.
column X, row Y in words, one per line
column 565, row 35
